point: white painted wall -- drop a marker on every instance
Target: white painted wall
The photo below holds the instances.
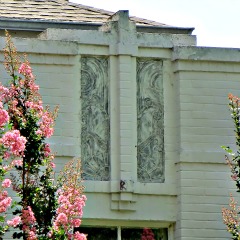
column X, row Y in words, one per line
column 206, row 76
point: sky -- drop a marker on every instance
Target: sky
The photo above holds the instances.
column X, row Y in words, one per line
column 216, row 22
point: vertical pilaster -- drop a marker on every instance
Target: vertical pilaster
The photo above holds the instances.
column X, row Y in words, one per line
column 123, row 109
column 127, row 107
column 114, row 123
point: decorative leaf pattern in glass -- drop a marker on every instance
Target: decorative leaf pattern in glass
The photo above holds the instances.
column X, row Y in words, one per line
column 95, row 128
column 150, row 121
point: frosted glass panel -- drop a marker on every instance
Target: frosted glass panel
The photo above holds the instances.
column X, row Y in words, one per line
column 150, row 121
column 95, row 132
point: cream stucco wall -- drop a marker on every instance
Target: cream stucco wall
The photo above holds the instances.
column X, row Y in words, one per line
column 196, row 82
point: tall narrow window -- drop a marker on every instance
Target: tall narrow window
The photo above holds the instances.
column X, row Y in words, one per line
column 150, row 131
column 95, row 128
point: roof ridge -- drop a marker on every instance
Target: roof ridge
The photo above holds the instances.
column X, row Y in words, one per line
column 107, row 11
column 60, row 10
column 111, row 13
column 89, row 7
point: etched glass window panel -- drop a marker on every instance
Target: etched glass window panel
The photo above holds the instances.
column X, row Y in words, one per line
column 95, row 128
column 150, row 121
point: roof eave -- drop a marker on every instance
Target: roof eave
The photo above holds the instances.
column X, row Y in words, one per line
column 165, row 29
column 41, row 25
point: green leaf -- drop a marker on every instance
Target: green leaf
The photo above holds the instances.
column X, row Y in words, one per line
column 228, row 150
column 2, row 219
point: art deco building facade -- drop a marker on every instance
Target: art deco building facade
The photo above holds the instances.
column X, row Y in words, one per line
column 144, row 107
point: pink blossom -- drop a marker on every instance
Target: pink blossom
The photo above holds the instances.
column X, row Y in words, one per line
column 61, row 219
column 52, row 164
column 14, row 103
column 14, row 142
column 5, row 201
column 71, row 204
column 17, row 162
column 39, row 132
column 25, row 70
column 4, row 117
column 34, row 87
column 234, row 176
column 46, row 125
column 79, row 236
column 76, row 222
column 28, row 217
column 6, row 155
column 47, row 150
column 14, row 222
column 31, row 235
column 35, row 105
column 49, row 235
column 6, row 167
column 28, row 221
column 6, row 183
column 4, row 92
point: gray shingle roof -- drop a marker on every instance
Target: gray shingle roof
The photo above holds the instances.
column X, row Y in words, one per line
column 59, row 11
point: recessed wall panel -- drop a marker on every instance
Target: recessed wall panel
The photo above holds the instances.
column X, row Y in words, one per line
column 95, row 128
column 150, row 121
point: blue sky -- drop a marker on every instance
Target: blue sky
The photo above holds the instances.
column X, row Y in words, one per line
column 216, row 22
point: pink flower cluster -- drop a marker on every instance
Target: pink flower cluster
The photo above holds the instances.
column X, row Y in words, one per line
column 5, row 201
column 28, row 221
column 4, row 92
column 70, row 210
column 46, row 125
column 35, row 105
column 25, row 70
column 14, row 142
column 79, row 236
column 28, row 216
column 14, row 222
column 47, row 150
column 6, row 183
column 4, row 117
column 231, row 218
column 20, row 105
column 18, row 162
column 33, row 101
column 46, row 120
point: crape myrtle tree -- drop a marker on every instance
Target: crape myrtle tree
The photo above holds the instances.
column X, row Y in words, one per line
column 47, row 209
column 231, row 216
